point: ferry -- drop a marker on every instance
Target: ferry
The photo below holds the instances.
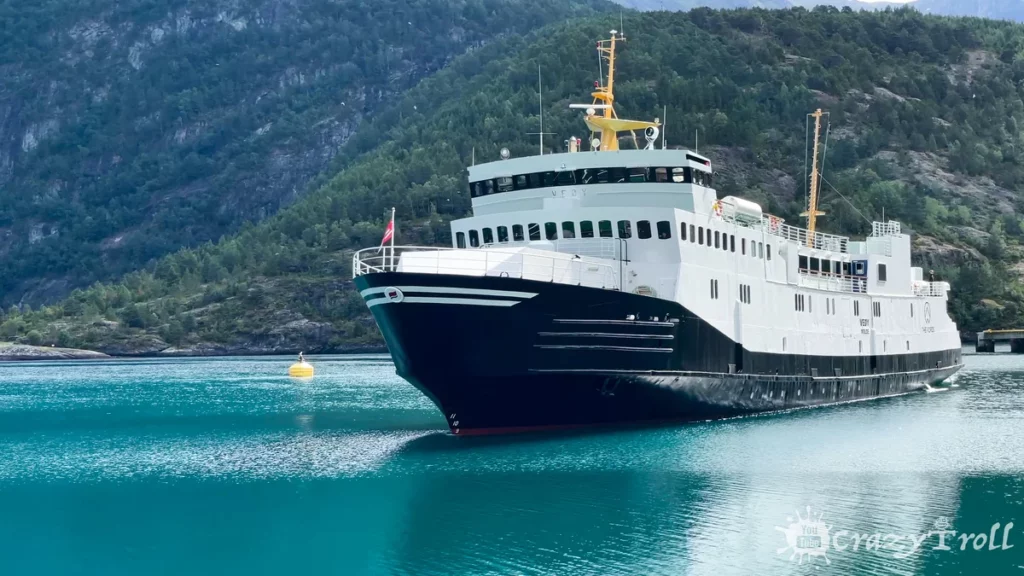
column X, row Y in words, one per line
column 607, row 286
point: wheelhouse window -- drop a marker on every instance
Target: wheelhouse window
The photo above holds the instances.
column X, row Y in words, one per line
column 732, row 242
column 534, row 230
column 474, row 238
column 682, row 231
column 692, row 236
column 568, row 229
column 717, row 244
column 760, row 249
column 586, row 229
column 625, row 229
column 604, row 228
column 803, row 263
column 517, row 233
column 743, row 246
column 700, row 235
column 550, row 231
column 565, row 178
column 460, row 239
column 488, row 236
column 643, row 229
column 502, row 234
column 768, row 250
column 826, row 266
column 881, row 272
column 637, row 174
column 815, row 265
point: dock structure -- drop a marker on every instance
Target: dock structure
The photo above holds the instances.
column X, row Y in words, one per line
column 987, row 340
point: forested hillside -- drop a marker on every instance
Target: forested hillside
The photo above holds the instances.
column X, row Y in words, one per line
column 129, row 129
column 927, row 120
column 1005, row 10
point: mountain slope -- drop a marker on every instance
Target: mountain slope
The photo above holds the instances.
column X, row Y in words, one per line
column 1005, row 10
column 912, row 101
column 130, row 129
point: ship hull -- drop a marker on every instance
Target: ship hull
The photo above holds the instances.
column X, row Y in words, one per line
column 499, row 355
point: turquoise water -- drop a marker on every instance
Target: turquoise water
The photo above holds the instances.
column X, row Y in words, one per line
column 225, row 466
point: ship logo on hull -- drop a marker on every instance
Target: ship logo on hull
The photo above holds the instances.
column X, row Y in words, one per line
column 393, row 294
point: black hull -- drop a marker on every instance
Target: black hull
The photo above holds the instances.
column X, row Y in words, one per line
column 504, row 355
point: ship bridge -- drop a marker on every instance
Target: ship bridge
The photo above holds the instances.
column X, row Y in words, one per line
column 634, row 178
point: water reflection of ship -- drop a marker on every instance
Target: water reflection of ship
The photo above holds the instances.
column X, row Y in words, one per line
column 705, row 500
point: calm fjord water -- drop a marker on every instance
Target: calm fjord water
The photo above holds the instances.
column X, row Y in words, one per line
column 226, row 466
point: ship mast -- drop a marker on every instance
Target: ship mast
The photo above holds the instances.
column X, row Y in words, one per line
column 607, row 121
column 812, row 212
column 606, row 94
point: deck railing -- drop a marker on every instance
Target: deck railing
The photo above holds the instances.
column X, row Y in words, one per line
column 507, row 262
column 819, row 241
column 936, row 289
column 832, row 282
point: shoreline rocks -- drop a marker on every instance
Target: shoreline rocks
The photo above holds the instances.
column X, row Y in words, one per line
column 12, row 352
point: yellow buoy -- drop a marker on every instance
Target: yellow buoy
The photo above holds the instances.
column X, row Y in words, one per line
column 301, row 370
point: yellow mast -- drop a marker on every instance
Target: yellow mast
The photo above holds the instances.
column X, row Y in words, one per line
column 812, row 212
column 607, row 122
column 606, row 94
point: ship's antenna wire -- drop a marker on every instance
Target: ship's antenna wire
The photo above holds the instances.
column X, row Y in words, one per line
column 695, row 148
column 540, row 103
column 807, row 121
column 664, row 126
column 834, row 189
column 824, row 152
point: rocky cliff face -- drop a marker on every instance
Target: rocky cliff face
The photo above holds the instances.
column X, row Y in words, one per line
column 129, row 129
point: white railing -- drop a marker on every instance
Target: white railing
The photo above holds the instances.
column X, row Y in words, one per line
column 507, row 262
column 830, row 242
column 890, row 228
column 937, row 289
column 832, row 282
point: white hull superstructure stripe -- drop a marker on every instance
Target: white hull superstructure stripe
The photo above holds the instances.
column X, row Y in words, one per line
column 459, row 301
column 450, row 290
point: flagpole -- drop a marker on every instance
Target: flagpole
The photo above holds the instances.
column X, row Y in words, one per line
column 392, row 239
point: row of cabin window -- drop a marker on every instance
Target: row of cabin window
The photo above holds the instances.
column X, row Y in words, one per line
column 727, row 242
column 818, row 266
column 745, row 294
column 679, row 175
column 568, row 230
column 802, row 305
